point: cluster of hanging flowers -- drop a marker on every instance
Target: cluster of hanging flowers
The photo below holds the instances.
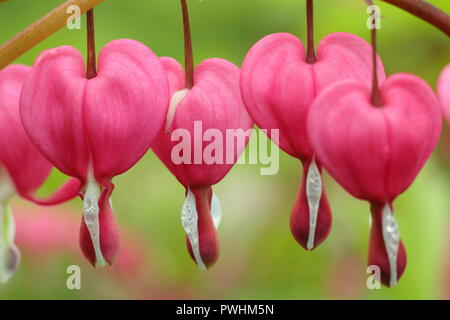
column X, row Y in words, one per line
column 334, row 107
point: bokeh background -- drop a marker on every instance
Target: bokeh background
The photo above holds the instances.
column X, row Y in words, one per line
column 259, row 258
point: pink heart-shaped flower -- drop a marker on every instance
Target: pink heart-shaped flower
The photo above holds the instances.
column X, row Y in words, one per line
column 22, row 167
column 214, row 103
column 375, row 153
column 95, row 129
column 279, row 87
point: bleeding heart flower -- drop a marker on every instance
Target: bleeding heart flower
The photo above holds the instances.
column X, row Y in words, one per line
column 444, row 91
column 279, row 87
column 95, row 129
column 214, row 102
column 22, row 168
column 375, row 153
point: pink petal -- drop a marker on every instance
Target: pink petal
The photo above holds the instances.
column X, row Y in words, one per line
column 124, row 106
column 415, row 122
column 214, row 100
column 278, row 87
column 175, row 74
column 208, row 240
column 300, row 216
column 375, row 153
column 443, row 89
column 66, row 192
column 51, row 109
column 345, row 56
column 26, row 166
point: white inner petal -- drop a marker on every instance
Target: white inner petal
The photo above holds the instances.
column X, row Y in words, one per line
column 313, row 194
column 7, row 189
column 8, row 250
column 391, row 237
column 189, row 220
column 173, row 106
column 91, row 218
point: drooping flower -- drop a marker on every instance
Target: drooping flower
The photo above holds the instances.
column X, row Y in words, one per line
column 376, row 152
column 214, row 105
column 22, row 168
column 279, row 86
column 444, row 91
column 207, row 128
column 95, row 129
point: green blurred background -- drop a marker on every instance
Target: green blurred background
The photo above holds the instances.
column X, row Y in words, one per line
column 259, row 258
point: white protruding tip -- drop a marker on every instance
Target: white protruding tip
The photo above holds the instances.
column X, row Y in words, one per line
column 91, row 212
column 313, row 194
column 189, row 220
column 9, row 253
column 391, row 237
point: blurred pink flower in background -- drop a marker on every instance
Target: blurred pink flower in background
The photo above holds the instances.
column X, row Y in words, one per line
column 45, row 232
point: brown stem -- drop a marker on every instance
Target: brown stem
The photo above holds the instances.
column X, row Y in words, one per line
column 91, row 68
column 425, row 11
column 40, row 30
column 57, row 18
column 376, row 98
column 188, row 53
column 311, row 55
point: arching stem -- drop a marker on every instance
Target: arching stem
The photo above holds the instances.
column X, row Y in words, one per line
column 311, row 55
column 425, row 11
column 188, row 52
column 40, row 30
column 91, row 69
column 57, row 19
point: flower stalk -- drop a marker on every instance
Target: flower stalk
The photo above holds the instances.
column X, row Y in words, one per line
column 188, row 52
column 311, row 55
column 375, row 98
column 57, row 19
column 40, row 30
column 91, row 69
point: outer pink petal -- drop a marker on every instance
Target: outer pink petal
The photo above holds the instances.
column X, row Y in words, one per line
column 175, row 74
column 214, row 100
column 414, row 117
column 26, row 166
column 278, row 88
column 443, row 88
column 163, row 145
column 51, row 109
column 125, row 106
column 350, row 138
column 375, row 153
column 344, row 56
column 67, row 191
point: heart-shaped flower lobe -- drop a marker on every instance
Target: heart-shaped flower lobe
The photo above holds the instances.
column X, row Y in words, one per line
column 95, row 129
column 207, row 129
column 279, row 87
column 375, row 153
